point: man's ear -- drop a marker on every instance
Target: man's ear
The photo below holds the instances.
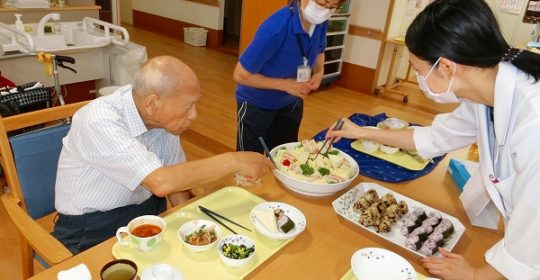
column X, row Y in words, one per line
column 151, row 104
column 447, row 67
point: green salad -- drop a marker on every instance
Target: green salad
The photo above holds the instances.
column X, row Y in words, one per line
column 237, row 251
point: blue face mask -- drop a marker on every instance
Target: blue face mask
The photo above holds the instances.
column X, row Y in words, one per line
column 441, row 97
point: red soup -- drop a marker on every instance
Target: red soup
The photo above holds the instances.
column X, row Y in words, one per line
column 146, row 230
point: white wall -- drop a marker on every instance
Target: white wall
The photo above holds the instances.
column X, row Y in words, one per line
column 514, row 30
column 185, row 11
column 367, row 13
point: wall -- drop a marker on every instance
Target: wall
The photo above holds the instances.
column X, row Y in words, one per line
column 184, row 11
column 254, row 12
column 514, row 30
column 364, row 51
column 126, row 11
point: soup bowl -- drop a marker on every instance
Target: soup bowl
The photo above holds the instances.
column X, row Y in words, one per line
column 144, row 232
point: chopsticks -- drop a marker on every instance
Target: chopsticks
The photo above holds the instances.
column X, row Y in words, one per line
column 213, row 215
column 267, row 152
column 338, row 126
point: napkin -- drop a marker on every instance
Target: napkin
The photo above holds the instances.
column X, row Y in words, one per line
column 79, row 272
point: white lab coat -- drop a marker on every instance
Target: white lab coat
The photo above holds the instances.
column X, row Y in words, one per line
column 516, row 162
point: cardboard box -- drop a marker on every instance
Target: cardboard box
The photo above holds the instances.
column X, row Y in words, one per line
column 460, row 171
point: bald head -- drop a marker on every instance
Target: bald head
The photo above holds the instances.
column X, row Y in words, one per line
column 165, row 76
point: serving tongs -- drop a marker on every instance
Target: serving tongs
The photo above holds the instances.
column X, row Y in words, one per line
column 338, row 126
column 267, row 152
column 214, row 216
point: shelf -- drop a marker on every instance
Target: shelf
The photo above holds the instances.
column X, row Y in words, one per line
column 333, row 61
column 69, row 8
column 334, row 48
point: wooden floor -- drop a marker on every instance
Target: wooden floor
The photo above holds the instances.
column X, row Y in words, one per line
column 214, row 130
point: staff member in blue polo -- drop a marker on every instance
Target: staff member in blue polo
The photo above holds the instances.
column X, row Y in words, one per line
column 278, row 70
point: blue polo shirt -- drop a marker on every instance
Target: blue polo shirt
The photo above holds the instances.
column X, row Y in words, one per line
column 275, row 52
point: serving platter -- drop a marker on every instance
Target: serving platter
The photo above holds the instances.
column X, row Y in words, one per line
column 400, row 158
column 343, row 207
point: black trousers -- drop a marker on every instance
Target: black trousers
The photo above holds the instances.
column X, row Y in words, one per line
column 275, row 126
column 80, row 232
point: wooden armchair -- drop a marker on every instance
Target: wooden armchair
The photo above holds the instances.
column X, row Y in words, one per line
column 29, row 162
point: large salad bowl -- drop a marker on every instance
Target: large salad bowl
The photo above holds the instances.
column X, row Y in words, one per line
column 310, row 188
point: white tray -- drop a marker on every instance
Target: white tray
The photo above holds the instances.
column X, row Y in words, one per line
column 343, row 206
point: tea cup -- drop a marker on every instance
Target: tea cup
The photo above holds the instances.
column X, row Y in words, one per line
column 144, row 232
column 120, row 269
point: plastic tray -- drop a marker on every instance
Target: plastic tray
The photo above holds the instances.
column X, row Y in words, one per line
column 232, row 202
column 400, row 158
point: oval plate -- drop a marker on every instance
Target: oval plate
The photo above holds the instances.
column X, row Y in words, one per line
column 378, row 263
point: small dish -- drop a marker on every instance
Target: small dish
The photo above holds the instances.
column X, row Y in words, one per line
column 236, row 241
column 293, row 213
column 161, row 271
column 195, row 225
column 378, row 263
column 395, row 123
column 389, row 150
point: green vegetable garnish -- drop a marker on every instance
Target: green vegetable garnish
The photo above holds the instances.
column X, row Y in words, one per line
column 324, row 171
column 332, row 152
column 306, row 169
column 237, row 252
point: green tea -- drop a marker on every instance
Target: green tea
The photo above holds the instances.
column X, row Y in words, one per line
column 119, row 274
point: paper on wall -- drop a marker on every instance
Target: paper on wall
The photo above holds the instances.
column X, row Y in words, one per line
column 511, row 6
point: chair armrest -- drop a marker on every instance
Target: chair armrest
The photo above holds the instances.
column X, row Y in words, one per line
column 48, row 247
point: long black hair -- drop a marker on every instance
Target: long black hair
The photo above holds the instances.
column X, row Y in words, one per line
column 466, row 32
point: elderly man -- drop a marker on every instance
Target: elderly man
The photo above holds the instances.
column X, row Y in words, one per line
column 122, row 155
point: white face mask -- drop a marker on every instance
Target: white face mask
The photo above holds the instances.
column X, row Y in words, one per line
column 442, row 97
column 315, row 13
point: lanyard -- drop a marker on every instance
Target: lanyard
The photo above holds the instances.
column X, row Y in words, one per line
column 305, row 54
column 494, row 149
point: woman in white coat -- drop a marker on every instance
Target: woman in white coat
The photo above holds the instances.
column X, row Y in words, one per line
column 460, row 55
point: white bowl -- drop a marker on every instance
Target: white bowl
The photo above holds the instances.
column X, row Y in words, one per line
column 161, row 271
column 378, row 263
column 312, row 189
column 237, row 240
column 293, row 213
column 190, row 227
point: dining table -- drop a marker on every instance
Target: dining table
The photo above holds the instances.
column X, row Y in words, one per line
column 324, row 249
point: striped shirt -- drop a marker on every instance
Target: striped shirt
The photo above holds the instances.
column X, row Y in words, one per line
column 106, row 155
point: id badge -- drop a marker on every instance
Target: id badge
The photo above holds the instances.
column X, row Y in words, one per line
column 303, row 73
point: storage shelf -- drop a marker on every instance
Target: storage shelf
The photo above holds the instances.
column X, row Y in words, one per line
column 338, row 26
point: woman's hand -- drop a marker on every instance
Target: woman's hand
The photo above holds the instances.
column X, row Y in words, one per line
column 348, row 130
column 449, row 266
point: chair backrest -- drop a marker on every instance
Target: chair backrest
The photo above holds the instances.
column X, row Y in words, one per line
column 29, row 162
column 30, row 159
column 36, row 156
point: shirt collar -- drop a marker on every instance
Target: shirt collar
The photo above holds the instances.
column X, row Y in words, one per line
column 503, row 99
column 297, row 24
column 133, row 119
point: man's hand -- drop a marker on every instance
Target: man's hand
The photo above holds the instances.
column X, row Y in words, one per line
column 295, row 88
column 251, row 165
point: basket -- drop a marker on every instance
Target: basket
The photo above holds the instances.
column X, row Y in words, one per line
column 195, row 36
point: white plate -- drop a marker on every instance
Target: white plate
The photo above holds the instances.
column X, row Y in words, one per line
column 343, row 206
column 378, row 263
column 293, row 213
column 161, row 271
